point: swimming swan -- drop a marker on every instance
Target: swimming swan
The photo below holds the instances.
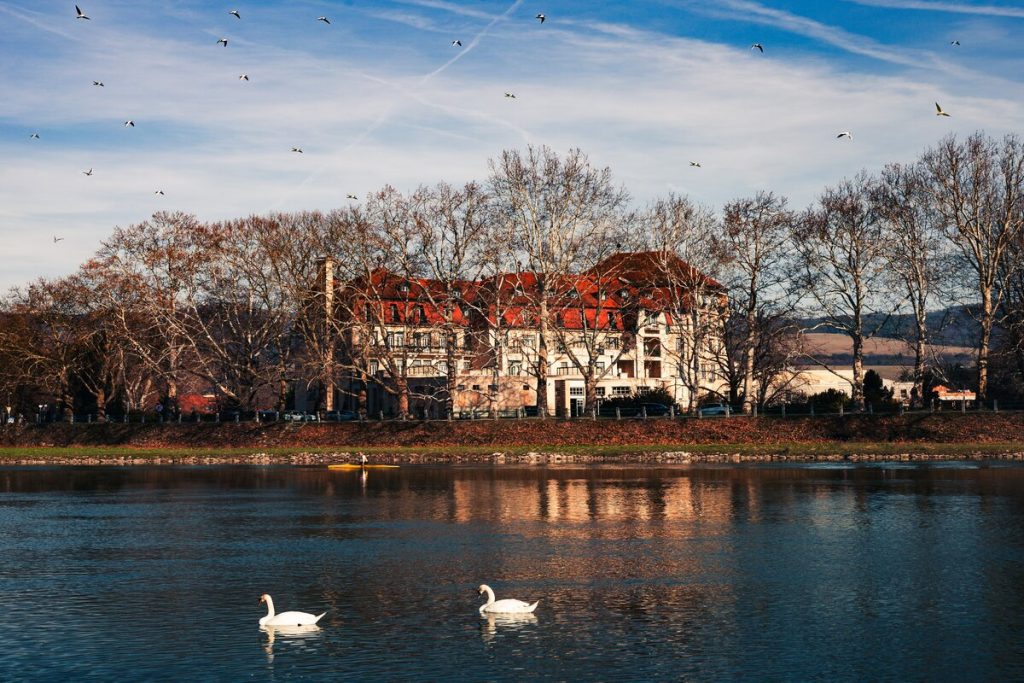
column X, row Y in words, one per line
column 286, row 618
column 506, row 606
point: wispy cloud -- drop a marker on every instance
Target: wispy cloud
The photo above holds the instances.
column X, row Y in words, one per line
column 953, row 7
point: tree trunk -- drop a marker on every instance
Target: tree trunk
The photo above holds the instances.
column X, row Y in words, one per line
column 987, row 316
column 858, row 371
column 542, row 363
column 590, row 389
column 451, row 339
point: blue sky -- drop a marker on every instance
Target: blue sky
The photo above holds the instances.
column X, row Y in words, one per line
column 381, row 95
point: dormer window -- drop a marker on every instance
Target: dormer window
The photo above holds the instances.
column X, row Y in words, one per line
column 403, row 288
column 624, row 294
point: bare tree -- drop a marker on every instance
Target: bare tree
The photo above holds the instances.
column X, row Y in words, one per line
column 681, row 289
column 151, row 269
column 452, row 228
column 978, row 188
column 754, row 244
column 906, row 209
column 841, row 266
column 555, row 211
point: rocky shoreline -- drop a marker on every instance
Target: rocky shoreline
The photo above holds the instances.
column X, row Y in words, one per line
column 499, row 458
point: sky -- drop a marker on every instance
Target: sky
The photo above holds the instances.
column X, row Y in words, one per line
column 380, row 95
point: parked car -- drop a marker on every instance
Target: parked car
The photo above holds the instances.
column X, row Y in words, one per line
column 655, row 409
column 297, row 416
column 267, row 415
column 340, row 416
column 714, row 409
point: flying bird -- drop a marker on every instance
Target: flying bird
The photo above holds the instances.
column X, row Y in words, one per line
column 243, row 77
column 457, row 43
column 235, row 13
column 695, row 164
column 89, row 172
column 99, row 83
column 129, row 124
column 79, row 14
column 159, row 192
column 57, row 239
column 34, row 136
column 508, row 94
column 324, row 19
column 757, row 46
column 297, row 149
column 938, row 110
column 351, row 196
column 541, row 18
column 955, row 43
column 223, row 41
column 845, row 134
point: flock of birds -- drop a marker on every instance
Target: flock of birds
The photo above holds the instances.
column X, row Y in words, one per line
column 305, row 620
column 79, row 14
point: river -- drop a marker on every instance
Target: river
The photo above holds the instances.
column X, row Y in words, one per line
column 707, row 573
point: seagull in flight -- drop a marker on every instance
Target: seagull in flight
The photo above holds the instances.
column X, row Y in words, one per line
column 695, row 164
column 129, row 124
column 79, row 14
column 351, row 196
column 297, row 149
column 757, row 46
column 99, row 83
column 324, row 19
column 541, row 18
column 938, row 110
column 159, row 192
column 955, row 43
column 223, row 41
column 57, row 239
column 457, row 43
column 243, row 77
column 512, row 95
column 34, row 136
column 89, row 172
column 845, row 134
column 235, row 14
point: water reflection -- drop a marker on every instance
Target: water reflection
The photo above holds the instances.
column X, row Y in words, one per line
column 506, row 623
column 297, row 638
column 644, row 573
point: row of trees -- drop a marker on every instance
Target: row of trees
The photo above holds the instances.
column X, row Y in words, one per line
column 174, row 304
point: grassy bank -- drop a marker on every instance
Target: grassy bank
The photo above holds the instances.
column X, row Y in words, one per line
column 938, row 434
column 790, row 451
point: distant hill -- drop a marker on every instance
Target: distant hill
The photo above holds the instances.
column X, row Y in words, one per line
column 837, row 349
column 953, row 326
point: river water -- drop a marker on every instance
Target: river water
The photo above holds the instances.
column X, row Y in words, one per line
column 836, row 573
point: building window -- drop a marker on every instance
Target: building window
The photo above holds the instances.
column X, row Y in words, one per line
column 575, row 391
column 643, row 391
column 620, row 391
column 394, row 313
column 625, row 368
column 515, row 369
column 526, row 387
column 599, row 391
column 476, row 387
column 652, row 347
column 651, row 317
column 611, row 342
column 396, row 340
column 467, row 366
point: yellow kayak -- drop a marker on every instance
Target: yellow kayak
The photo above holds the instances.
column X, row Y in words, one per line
column 357, row 466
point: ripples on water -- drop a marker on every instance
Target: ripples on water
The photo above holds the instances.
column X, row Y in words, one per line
column 807, row 573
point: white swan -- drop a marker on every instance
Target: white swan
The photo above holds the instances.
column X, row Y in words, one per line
column 506, row 606
column 286, row 618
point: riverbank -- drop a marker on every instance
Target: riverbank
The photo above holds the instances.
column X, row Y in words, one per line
column 911, row 437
